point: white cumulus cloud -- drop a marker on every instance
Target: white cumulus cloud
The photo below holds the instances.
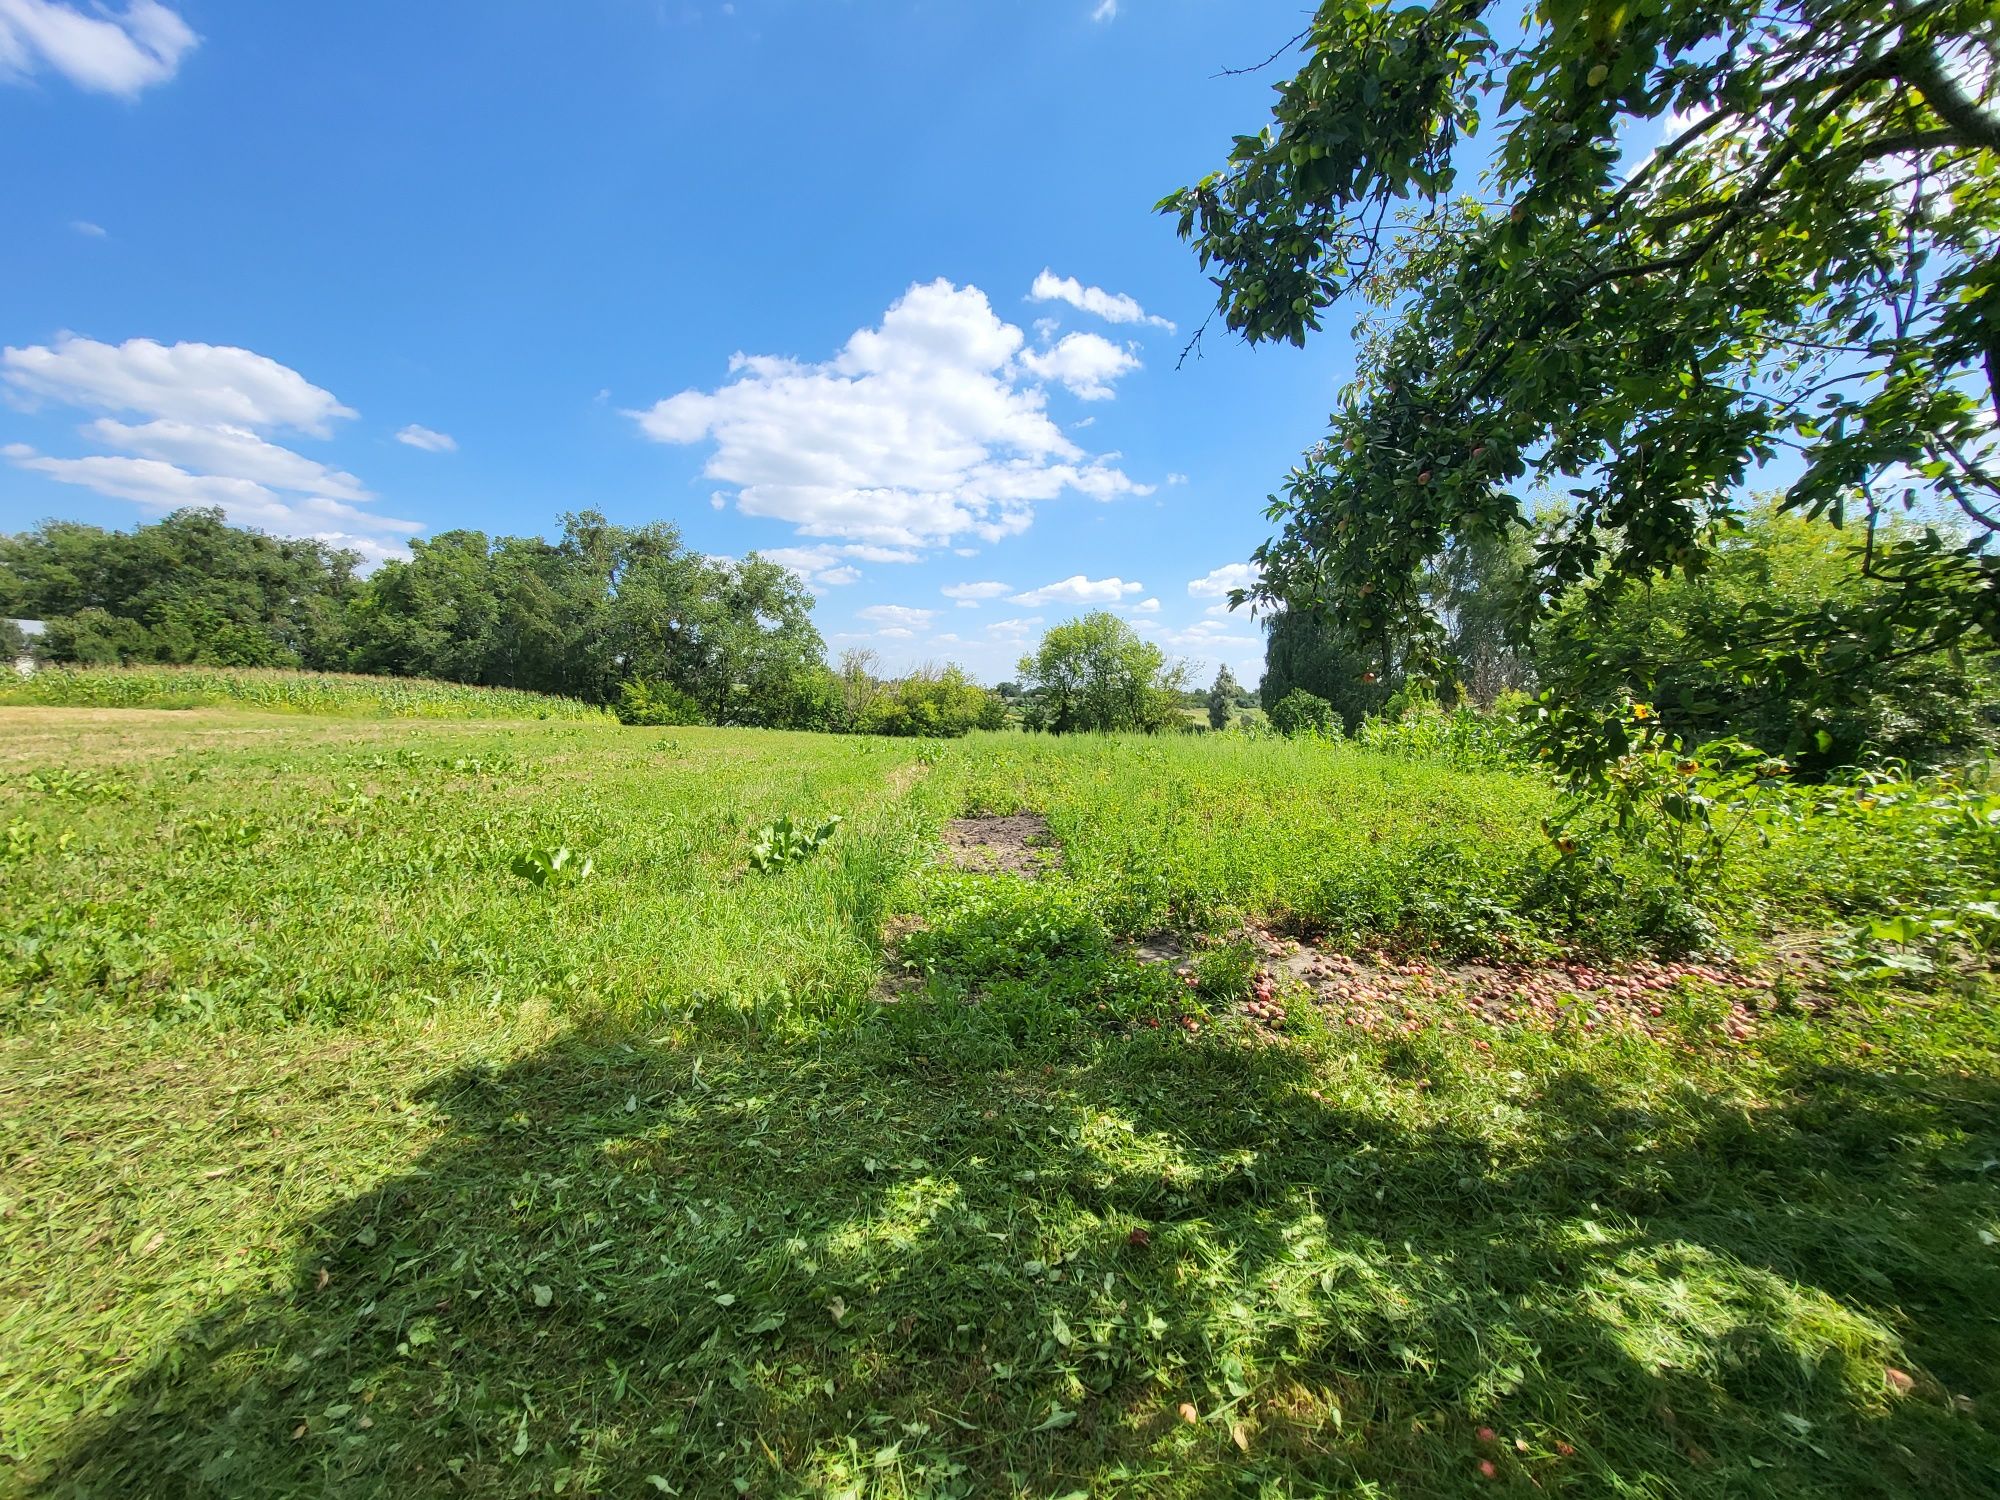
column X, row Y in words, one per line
column 833, row 566
column 103, row 50
column 1218, row 583
column 1078, row 589
column 225, row 452
column 820, row 567
column 185, row 382
column 1113, row 307
column 206, row 409
column 1015, row 629
column 1084, row 362
column 428, row 439
column 920, row 431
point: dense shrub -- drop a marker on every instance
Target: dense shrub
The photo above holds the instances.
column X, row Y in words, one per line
column 1301, row 712
column 656, row 703
column 190, row 589
column 1689, row 647
column 933, row 704
column 1461, row 738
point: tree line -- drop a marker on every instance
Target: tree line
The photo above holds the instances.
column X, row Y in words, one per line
column 624, row 616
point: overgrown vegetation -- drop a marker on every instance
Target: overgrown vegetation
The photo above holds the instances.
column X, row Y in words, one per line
column 368, row 1163
column 1661, row 643
column 277, row 691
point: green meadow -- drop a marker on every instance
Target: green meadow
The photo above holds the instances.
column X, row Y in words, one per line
column 449, row 1104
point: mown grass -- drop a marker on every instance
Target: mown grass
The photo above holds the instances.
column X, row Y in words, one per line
column 274, row 691
column 630, row 1189
column 255, row 872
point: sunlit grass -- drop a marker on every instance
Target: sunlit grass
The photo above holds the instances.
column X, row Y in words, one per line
column 338, row 1158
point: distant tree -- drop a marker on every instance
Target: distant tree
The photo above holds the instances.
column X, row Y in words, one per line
column 601, row 606
column 860, row 674
column 1097, row 675
column 13, row 642
column 95, row 637
column 1009, row 690
column 1222, row 697
column 1306, row 650
column 737, row 635
column 1474, row 590
column 437, row 615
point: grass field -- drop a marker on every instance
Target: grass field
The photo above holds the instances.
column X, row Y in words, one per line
column 353, row 1144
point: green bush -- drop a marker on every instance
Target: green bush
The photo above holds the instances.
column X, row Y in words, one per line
column 1694, row 648
column 934, row 705
column 1300, row 712
column 1096, row 676
column 656, row 704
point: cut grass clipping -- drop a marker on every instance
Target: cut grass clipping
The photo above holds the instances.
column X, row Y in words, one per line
column 1299, row 1130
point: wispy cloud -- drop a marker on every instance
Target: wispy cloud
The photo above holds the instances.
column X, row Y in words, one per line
column 186, row 382
column 969, row 595
column 207, row 413
column 898, row 616
column 428, row 439
column 102, row 50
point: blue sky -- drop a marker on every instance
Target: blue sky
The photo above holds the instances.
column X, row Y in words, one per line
column 767, row 269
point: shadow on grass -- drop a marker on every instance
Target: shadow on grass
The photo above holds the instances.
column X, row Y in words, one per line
column 633, row 1271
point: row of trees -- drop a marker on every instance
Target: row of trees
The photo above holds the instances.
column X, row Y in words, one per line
column 619, row 615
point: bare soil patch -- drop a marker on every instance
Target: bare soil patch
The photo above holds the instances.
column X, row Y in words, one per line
column 1020, row 844
column 1379, row 993
column 1386, row 995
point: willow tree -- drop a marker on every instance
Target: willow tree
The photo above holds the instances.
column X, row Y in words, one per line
column 1801, row 278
